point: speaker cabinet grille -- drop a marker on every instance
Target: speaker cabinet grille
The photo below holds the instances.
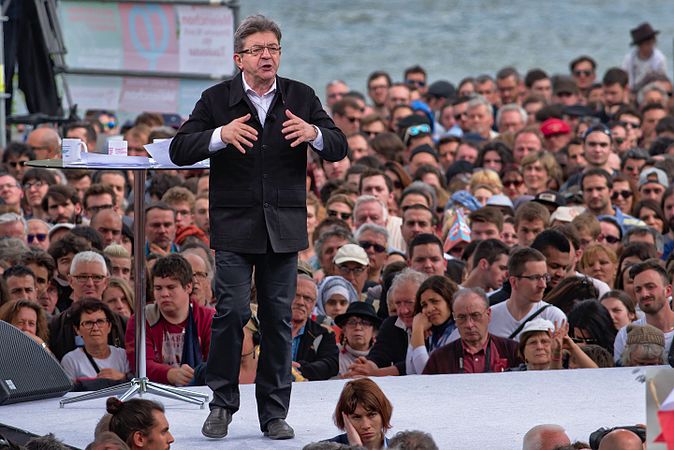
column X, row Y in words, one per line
column 27, row 371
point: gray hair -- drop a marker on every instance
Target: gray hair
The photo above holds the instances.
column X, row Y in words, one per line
column 406, row 276
column 479, row 100
column 533, row 439
column 12, row 249
column 413, row 439
column 338, row 232
column 465, row 292
column 644, row 351
column 367, row 199
column 373, row 227
column 13, row 217
column 648, row 88
column 511, row 107
column 88, row 257
column 251, row 25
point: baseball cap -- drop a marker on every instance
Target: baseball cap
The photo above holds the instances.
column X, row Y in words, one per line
column 653, row 175
column 351, row 253
column 538, row 325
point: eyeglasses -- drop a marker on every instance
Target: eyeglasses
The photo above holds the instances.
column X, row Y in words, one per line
column 257, row 50
column 630, row 125
column 377, row 248
column 515, row 183
column 16, row 163
column 624, row 194
column 536, row 278
column 352, row 119
column 619, row 140
column 587, row 341
column 200, row 274
column 418, row 83
column 37, row 184
column 585, row 73
column 97, row 279
column 341, row 215
column 353, row 323
column 345, row 270
column 89, row 324
column 611, row 239
column 41, row 237
column 474, row 316
column 459, row 116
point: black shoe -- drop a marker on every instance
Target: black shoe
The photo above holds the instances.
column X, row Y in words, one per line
column 279, row 429
column 216, row 423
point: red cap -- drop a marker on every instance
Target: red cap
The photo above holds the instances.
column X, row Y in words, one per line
column 554, row 126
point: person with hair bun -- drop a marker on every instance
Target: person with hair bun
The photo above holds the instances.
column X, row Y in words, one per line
column 140, row 423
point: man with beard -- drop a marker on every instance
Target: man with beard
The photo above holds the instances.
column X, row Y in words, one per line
column 528, row 278
column 652, row 289
column 62, row 204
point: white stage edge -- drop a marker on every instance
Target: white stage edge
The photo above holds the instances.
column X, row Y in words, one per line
column 483, row 411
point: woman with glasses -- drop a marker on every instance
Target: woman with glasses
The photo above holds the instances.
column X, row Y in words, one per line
column 600, row 262
column 513, row 181
column 623, row 193
column 433, row 322
column 651, row 214
column 35, row 184
column 358, row 325
column 591, row 323
column 544, row 345
column 611, row 233
column 96, row 359
column 340, row 206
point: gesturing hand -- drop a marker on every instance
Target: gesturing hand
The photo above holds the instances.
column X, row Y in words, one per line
column 297, row 130
column 238, row 133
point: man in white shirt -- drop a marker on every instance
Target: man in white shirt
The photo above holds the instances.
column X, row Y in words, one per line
column 652, row 289
column 528, row 276
column 644, row 58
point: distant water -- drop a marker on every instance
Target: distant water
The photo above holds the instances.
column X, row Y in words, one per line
column 347, row 39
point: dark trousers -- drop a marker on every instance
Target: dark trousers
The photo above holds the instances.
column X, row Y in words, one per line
column 275, row 281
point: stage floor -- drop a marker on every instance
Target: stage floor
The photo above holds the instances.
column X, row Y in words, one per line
column 485, row 411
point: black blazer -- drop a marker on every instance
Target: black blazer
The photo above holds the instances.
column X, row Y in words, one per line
column 260, row 195
column 317, row 352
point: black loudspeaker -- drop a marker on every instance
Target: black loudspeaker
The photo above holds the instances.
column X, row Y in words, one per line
column 28, row 371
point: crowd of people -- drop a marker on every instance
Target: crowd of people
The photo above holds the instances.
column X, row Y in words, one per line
column 522, row 221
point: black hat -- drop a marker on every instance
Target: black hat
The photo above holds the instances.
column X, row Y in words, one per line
column 423, row 148
column 564, row 85
column 359, row 309
column 550, row 198
column 441, row 88
column 412, row 120
column 642, row 33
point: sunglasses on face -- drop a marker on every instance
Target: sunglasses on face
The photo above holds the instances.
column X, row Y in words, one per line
column 587, row 341
column 515, row 183
column 377, row 248
column 623, row 194
column 341, row 215
column 39, row 236
column 612, row 239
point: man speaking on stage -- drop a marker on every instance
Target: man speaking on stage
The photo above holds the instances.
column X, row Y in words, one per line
column 255, row 129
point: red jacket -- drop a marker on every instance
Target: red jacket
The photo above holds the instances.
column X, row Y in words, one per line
column 155, row 327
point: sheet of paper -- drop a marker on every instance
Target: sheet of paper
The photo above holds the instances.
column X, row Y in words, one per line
column 159, row 151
